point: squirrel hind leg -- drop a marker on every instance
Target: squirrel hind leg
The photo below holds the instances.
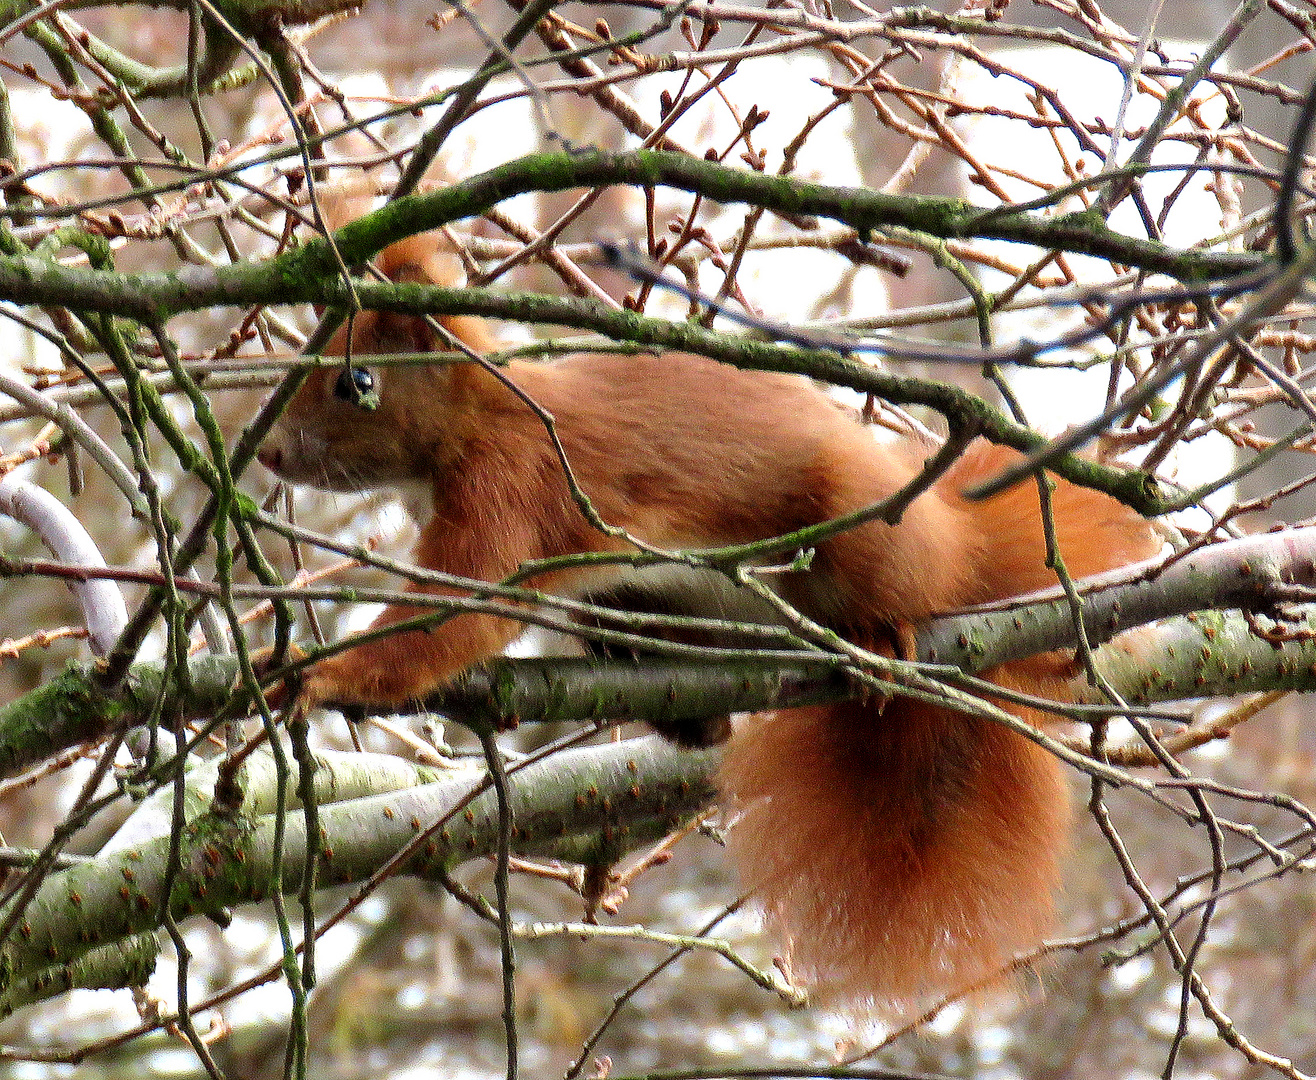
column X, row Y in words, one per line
column 901, row 855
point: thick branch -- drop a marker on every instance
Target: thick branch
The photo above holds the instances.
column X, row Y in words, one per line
column 306, row 275
column 1256, row 574
column 590, row 804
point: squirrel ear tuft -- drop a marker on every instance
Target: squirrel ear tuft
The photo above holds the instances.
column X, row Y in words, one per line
column 343, row 202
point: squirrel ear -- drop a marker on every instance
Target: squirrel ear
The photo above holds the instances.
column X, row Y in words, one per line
column 428, row 258
column 341, row 203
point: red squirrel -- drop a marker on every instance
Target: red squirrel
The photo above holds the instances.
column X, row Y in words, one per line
column 901, row 848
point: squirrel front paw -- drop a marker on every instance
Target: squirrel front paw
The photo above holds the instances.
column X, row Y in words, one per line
column 324, row 684
column 360, row 675
column 350, row 678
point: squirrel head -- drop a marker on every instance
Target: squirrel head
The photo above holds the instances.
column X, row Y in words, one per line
column 365, row 424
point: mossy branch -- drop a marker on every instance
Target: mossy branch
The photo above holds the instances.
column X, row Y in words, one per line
column 588, row 804
column 33, row 280
column 1257, row 574
column 306, row 275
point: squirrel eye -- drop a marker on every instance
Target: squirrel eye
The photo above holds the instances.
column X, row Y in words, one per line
column 353, row 384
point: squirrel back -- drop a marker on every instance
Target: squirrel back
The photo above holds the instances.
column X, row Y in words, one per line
column 902, row 849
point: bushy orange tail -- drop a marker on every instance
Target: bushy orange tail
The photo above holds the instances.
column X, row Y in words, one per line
column 906, row 850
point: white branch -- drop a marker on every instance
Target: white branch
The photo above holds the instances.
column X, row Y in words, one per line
column 103, row 609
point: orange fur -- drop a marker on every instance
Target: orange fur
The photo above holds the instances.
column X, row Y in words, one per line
column 903, row 849
column 908, row 850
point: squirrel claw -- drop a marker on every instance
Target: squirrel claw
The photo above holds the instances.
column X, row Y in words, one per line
column 904, row 642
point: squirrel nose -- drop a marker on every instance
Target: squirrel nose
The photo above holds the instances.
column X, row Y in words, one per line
column 271, row 457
